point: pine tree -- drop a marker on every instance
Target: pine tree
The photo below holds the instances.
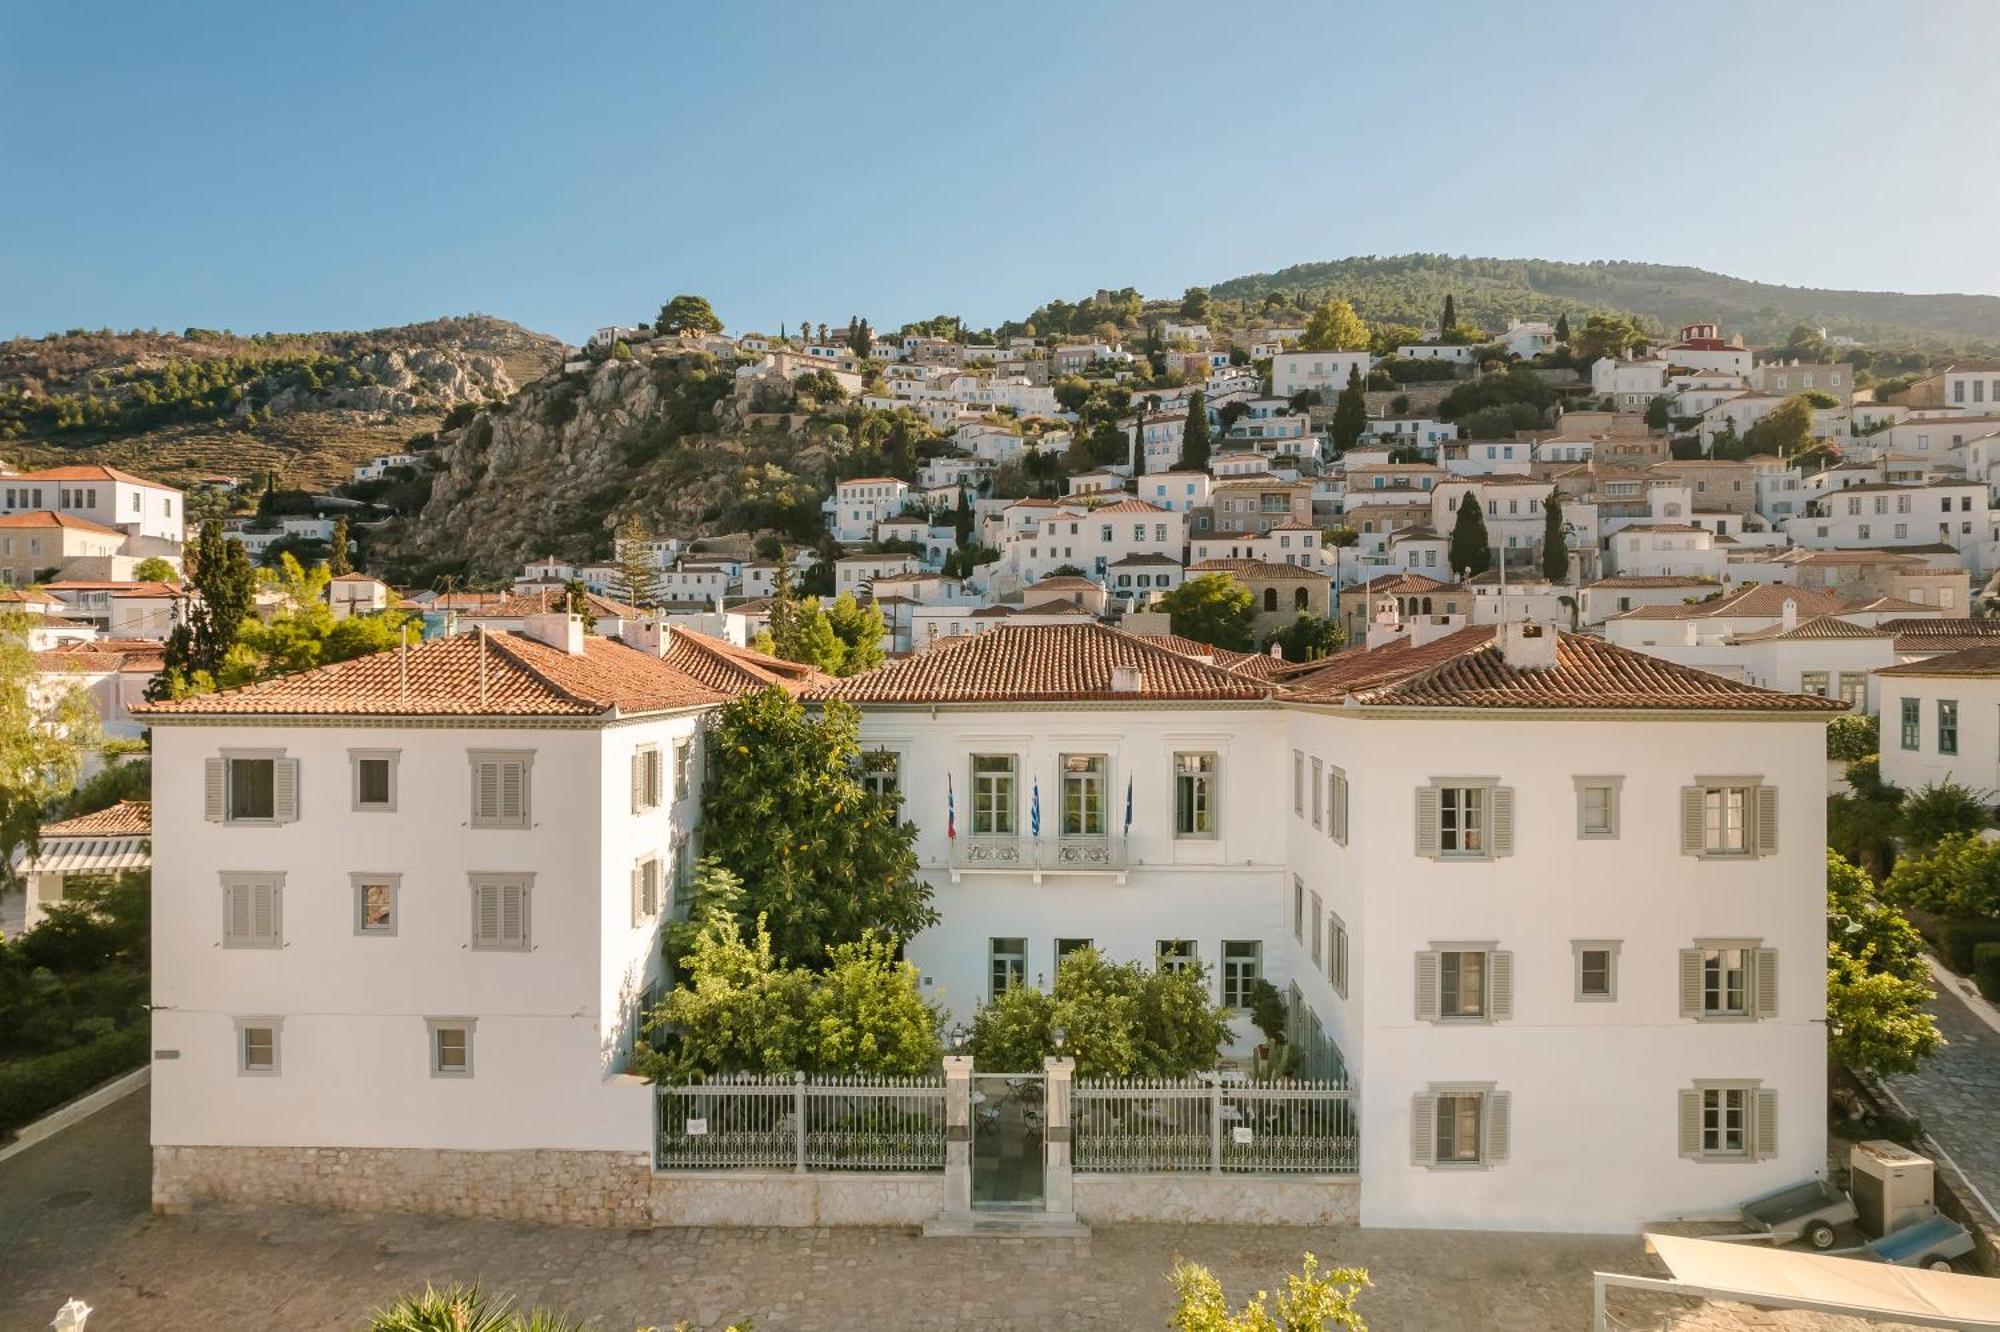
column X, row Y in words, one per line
column 1471, row 554
column 1449, row 321
column 1562, row 329
column 336, row 559
column 1194, row 438
column 1555, row 553
column 225, row 587
column 637, row 574
column 1350, row 413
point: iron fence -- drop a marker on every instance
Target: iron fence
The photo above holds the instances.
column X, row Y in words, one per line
column 1126, row 1125
column 800, row 1123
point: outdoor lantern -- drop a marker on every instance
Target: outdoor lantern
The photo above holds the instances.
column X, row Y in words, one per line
column 957, row 1036
column 1058, row 1035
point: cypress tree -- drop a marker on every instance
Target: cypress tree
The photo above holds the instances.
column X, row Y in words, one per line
column 1350, row 412
column 1555, row 554
column 1450, row 319
column 1562, row 329
column 1194, row 438
column 1471, row 554
column 336, row 559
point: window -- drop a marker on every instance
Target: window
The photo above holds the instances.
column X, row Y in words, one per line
column 1318, row 791
column 500, row 911
column 1336, row 804
column 1729, row 978
column 1596, row 969
column 648, row 889
column 1194, row 795
column 1459, row 1126
column 1597, row 807
column 683, row 767
column 257, row 1046
column 1242, row 968
column 993, row 795
column 1854, row 690
column 1318, row 913
column 1947, row 726
column 1912, row 722
column 1006, row 965
column 648, row 788
column 252, row 786
column 1298, row 908
column 1064, row 947
column 374, row 779
column 1728, row 1121
column 1083, row 791
column 1464, row 818
column 1813, row 682
column 1465, row 983
column 1298, row 783
column 253, row 910
column 1176, row 954
column 375, row 902
column 500, row 787
column 1728, row 817
column 450, row 1047
column 1336, row 953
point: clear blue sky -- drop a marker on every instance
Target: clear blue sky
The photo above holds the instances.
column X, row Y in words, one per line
column 350, row 165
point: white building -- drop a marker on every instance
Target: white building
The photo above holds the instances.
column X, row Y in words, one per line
column 1180, row 491
column 378, row 466
column 1631, row 385
column 1941, row 720
column 1092, row 539
column 857, row 505
column 1527, row 339
column 103, row 495
column 1294, row 372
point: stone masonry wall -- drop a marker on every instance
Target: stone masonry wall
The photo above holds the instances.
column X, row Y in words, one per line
column 555, row 1187
column 1264, row 1200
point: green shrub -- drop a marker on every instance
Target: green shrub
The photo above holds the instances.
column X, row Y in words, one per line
column 1958, row 938
column 1986, row 969
column 31, row 1087
column 1852, row 737
column 1937, row 811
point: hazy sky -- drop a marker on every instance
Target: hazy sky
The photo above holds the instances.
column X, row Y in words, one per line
column 286, row 166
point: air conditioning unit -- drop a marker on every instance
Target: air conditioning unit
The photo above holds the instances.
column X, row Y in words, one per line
column 1892, row 1186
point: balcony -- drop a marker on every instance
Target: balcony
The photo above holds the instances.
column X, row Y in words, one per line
column 1038, row 856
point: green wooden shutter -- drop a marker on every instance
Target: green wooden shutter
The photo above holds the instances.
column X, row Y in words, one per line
column 1503, row 821
column 1427, row 987
column 1690, row 982
column 1427, row 821
column 1766, row 1124
column 213, row 785
column 1690, row 1122
column 1764, row 982
column 1494, row 1124
column 1423, row 1129
column 1691, row 834
column 1500, row 979
column 1767, row 820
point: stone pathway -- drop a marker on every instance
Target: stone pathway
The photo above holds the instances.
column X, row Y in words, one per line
column 74, row 1221
column 1957, row 1093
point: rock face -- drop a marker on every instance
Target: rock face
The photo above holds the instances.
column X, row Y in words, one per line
column 404, row 382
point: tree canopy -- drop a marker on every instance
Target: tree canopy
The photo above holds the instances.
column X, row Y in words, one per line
column 1194, row 436
column 688, row 314
column 225, row 586
column 1212, row 608
column 1311, row 1301
column 1120, row 1019
column 46, row 732
column 1471, row 551
column 1308, row 637
column 1335, row 327
column 1350, row 412
column 1876, row 979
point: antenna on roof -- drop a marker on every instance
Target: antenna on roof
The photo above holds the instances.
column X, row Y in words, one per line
column 403, row 666
column 482, row 665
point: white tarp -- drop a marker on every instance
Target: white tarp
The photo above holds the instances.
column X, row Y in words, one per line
column 1755, row 1273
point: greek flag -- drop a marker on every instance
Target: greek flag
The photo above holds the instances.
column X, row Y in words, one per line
column 1035, row 810
column 950, row 810
column 1128, row 804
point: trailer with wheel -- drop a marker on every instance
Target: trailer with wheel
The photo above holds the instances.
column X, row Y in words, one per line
column 1932, row 1244
column 1807, row 1211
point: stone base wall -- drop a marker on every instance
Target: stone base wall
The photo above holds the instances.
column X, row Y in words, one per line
column 1261, row 1200
column 555, row 1187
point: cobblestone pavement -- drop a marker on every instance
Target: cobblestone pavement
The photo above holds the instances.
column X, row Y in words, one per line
column 74, row 1221
column 1957, row 1093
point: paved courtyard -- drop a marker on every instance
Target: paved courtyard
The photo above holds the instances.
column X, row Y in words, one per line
column 74, row 1221
column 1957, row 1093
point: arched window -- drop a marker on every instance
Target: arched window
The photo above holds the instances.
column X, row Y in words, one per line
column 1427, row 605
column 1270, row 598
column 1299, row 598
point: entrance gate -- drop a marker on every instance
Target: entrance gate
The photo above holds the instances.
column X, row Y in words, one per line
column 1008, row 1132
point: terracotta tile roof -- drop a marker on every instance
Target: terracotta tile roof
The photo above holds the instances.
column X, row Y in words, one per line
column 1467, row 669
column 1400, row 582
column 465, row 675
column 1765, row 599
column 1045, row 663
column 736, row 670
column 1819, row 627
column 1938, row 627
column 1128, row 506
column 123, row 589
column 127, row 818
column 1065, row 583
column 1896, row 604
column 544, row 602
column 1650, row 580
column 1980, row 660
column 1256, row 570
column 39, row 518
column 1133, row 560
column 89, row 472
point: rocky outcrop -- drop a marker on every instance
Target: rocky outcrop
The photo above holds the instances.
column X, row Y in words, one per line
column 403, row 383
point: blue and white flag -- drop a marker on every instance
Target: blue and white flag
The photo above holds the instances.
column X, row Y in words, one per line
column 950, row 811
column 1035, row 810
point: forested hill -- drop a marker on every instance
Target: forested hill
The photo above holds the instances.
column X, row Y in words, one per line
column 184, row 405
column 1410, row 289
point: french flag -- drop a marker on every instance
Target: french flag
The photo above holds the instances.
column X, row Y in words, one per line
column 950, row 810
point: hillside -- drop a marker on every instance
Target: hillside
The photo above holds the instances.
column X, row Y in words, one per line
column 1410, row 289
column 183, row 406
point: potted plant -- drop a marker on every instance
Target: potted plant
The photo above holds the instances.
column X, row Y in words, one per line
column 1267, row 1013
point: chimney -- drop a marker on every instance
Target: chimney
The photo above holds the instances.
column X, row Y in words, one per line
column 1429, row 628
column 1789, row 616
column 650, row 635
column 1528, row 646
column 559, row 629
column 1387, row 626
column 1127, row 680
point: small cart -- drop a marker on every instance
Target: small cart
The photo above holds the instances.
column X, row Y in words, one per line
column 1933, row 1244
column 1806, row 1211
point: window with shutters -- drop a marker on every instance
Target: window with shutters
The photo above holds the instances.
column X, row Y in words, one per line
column 683, row 767
column 251, row 786
column 257, row 1046
column 500, row 787
column 1242, row 968
column 1336, row 953
column 1298, row 908
column 500, row 911
column 253, row 910
column 1596, row 969
column 1729, row 980
column 1006, row 965
column 1194, row 796
column 1459, row 1125
column 1465, row 982
column 1298, row 783
column 1176, row 955
column 1337, row 796
column 1318, row 914
column 450, row 1041
column 1597, row 807
column 374, row 780
column 375, row 909
column 1854, row 690
column 1462, row 985
column 1912, row 723
column 1728, row 1120
column 1947, row 726
column 1726, row 818
column 648, row 779
column 648, row 889
column 1318, row 793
